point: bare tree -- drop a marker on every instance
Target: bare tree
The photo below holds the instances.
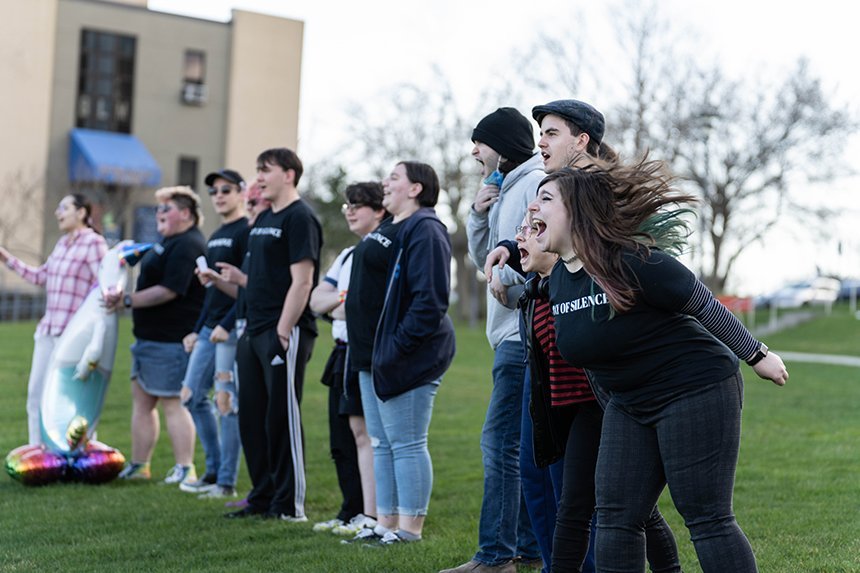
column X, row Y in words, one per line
column 20, row 206
column 414, row 122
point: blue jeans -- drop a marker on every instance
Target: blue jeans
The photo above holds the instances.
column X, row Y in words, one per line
column 222, row 455
column 692, row 444
column 504, row 530
column 398, row 433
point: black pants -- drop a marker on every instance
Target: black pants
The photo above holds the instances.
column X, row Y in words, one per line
column 270, row 420
column 576, row 507
column 341, row 439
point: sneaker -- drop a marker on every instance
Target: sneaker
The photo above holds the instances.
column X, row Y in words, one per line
column 247, row 511
column 202, row 485
column 135, row 470
column 218, row 492
column 366, row 535
column 392, row 538
column 293, row 518
column 477, row 567
column 238, row 504
column 180, row 474
column 355, row 525
column 328, row 525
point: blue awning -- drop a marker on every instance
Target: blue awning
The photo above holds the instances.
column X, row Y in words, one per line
column 113, row 158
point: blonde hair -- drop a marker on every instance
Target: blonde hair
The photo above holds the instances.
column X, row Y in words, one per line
column 184, row 197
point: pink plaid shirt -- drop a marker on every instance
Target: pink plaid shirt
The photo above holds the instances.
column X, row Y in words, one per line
column 68, row 276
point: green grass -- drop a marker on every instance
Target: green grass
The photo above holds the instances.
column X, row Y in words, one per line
column 797, row 494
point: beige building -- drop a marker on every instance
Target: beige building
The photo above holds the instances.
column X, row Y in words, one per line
column 114, row 100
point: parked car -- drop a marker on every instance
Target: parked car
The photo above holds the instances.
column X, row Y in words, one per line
column 820, row 290
column 847, row 286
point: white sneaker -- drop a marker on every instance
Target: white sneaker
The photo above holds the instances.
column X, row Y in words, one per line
column 328, row 525
column 355, row 525
column 180, row 474
column 293, row 518
column 366, row 535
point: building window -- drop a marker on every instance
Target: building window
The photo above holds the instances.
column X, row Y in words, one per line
column 187, row 171
column 194, row 78
column 105, row 81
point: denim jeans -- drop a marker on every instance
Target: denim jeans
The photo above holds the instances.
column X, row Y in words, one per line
column 398, row 433
column 692, row 444
column 541, row 488
column 501, row 536
column 231, row 443
column 222, row 454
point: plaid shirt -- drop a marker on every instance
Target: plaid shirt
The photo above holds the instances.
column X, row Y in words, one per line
column 68, row 276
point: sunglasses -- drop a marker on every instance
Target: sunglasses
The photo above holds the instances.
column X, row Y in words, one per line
column 224, row 190
column 164, row 207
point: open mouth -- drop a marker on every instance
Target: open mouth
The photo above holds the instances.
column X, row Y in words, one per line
column 540, row 226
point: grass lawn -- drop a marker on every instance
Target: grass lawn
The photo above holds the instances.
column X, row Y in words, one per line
column 797, row 494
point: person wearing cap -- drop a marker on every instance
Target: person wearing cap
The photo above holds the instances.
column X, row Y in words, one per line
column 511, row 170
column 165, row 306
column 212, row 344
column 282, row 269
column 569, row 130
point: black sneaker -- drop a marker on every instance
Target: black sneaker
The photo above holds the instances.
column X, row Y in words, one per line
column 247, row 511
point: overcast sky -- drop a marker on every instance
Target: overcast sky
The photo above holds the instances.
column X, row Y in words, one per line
column 354, row 50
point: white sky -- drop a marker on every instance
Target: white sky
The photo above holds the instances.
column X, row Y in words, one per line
column 354, row 50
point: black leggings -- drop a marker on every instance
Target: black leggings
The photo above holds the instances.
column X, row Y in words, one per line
column 576, row 508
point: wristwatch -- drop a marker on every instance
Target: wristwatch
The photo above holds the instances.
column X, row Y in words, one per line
column 757, row 357
column 126, row 301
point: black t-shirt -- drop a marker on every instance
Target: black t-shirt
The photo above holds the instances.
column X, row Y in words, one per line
column 242, row 240
column 651, row 352
column 170, row 264
column 370, row 261
column 226, row 245
column 277, row 241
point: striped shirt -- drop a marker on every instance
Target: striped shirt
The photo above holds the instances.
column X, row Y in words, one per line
column 68, row 276
column 568, row 384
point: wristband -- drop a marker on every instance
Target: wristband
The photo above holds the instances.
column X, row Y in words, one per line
column 126, row 301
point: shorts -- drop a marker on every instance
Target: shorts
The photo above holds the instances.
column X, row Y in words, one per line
column 343, row 380
column 159, row 367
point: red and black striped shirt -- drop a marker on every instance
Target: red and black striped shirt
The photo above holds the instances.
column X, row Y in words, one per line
column 568, row 384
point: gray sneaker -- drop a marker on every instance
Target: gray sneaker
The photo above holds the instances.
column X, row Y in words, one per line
column 218, row 492
column 202, row 485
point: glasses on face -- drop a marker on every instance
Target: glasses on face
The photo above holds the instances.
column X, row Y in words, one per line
column 525, row 231
column 164, row 207
column 351, row 207
column 223, row 190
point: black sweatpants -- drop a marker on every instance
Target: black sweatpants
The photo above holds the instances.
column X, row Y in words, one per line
column 270, row 419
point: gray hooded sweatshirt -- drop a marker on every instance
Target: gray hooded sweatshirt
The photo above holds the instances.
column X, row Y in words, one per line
column 485, row 230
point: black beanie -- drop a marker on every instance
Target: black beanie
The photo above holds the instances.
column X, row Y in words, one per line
column 508, row 133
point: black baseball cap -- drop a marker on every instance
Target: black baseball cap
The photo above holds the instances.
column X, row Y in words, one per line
column 228, row 174
column 581, row 114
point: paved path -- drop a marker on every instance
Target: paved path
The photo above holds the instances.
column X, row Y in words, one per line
column 836, row 359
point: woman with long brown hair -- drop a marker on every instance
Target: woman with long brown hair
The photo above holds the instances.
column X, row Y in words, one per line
column 68, row 275
column 646, row 330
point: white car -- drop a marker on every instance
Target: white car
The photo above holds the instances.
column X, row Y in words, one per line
column 820, row 290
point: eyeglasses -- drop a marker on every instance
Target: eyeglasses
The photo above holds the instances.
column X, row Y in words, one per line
column 224, row 190
column 164, row 207
column 351, row 207
column 525, row 230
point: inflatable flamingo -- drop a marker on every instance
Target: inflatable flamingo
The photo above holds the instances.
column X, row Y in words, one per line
column 78, row 377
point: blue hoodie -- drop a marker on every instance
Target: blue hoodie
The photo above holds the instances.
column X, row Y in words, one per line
column 414, row 343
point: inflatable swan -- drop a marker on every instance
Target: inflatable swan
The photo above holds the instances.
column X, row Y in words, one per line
column 78, row 377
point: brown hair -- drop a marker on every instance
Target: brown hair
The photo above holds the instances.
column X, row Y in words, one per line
column 615, row 208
